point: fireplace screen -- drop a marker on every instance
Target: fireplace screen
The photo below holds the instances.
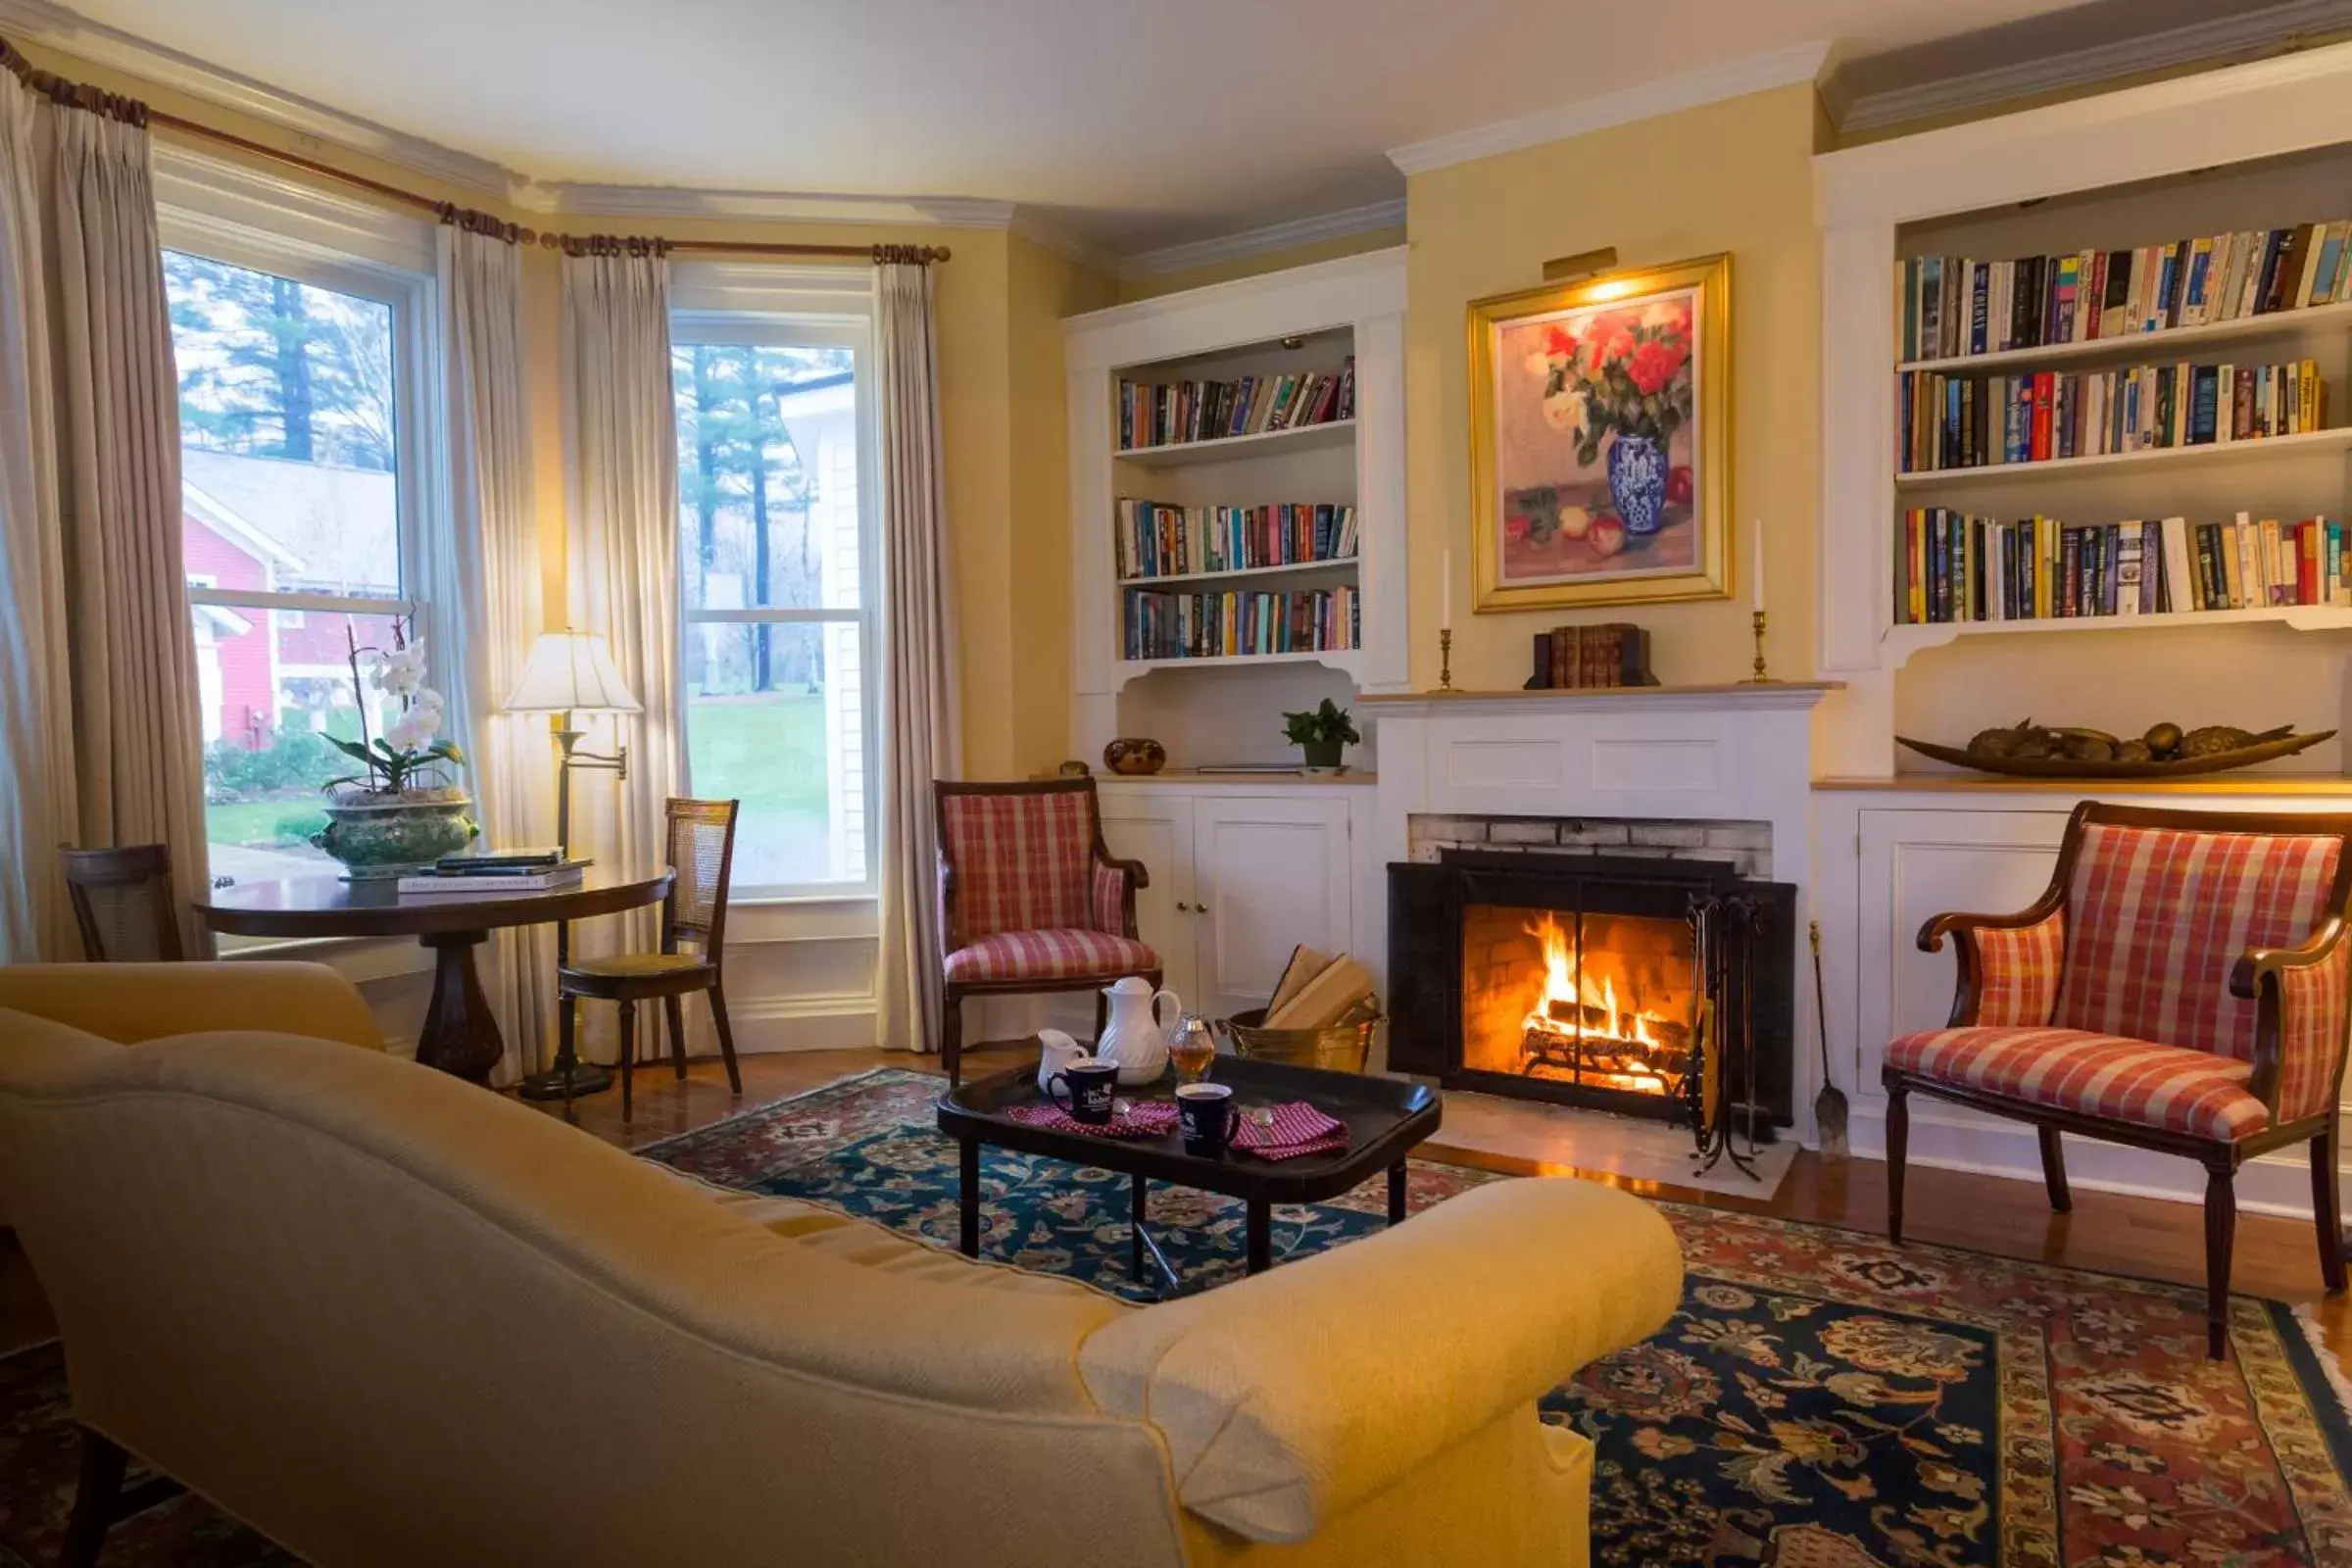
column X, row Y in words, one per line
column 1601, row 1001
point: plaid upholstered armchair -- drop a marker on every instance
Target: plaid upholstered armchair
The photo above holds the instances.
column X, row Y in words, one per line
column 1030, row 900
column 2179, row 986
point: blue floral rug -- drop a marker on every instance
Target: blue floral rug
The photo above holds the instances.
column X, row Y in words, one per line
column 1821, row 1400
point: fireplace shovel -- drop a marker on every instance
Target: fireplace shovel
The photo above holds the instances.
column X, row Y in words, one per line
column 1829, row 1106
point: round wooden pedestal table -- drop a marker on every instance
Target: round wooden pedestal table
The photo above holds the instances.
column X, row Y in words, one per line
column 461, row 1032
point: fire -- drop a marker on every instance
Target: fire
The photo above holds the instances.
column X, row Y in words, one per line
column 1570, row 995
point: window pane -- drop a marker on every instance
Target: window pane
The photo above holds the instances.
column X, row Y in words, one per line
column 273, row 686
column 286, row 432
column 767, row 475
column 774, row 719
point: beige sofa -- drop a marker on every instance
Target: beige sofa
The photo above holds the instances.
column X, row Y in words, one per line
column 388, row 1318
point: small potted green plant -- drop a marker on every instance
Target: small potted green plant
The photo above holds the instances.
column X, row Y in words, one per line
column 1320, row 732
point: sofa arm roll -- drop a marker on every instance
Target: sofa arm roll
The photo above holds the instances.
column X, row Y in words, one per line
column 127, row 1003
column 1288, row 1398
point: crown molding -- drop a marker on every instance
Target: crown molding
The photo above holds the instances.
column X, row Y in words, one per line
column 1269, row 237
column 1730, row 78
column 589, row 199
column 2126, row 55
column 42, row 23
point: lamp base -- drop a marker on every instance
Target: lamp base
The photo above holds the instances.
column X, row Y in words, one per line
column 586, row 1078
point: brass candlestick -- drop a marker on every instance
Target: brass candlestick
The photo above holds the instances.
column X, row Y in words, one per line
column 1446, row 659
column 1759, row 677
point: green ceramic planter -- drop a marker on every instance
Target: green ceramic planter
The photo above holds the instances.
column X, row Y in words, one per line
column 378, row 838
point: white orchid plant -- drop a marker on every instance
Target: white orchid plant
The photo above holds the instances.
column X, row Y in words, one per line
column 406, row 754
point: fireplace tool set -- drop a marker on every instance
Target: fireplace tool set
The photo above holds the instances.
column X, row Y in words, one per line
column 1720, row 1093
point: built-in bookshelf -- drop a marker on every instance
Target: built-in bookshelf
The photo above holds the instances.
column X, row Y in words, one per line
column 2079, row 351
column 1237, row 495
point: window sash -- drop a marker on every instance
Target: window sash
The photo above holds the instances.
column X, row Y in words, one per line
column 714, row 319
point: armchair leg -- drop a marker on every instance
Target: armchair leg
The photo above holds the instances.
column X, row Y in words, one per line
column 2326, row 1207
column 2053, row 1172
column 2221, row 1230
column 103, row 1463
column 951, row 1036
column 1899, row 1143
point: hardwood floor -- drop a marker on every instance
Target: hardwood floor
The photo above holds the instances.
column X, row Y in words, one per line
column 2143, row 1236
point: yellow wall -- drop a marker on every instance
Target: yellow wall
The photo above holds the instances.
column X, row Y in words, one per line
column 1729, row 177
column 1321, row 250
column 1001, row 413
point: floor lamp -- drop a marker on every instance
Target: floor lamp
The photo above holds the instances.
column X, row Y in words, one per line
column 570, row 673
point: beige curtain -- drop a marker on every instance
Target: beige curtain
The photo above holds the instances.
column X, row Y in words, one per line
column 91, row 335
column 621, row 470
column 483, row 583
column 36, row 703
column 921, row 735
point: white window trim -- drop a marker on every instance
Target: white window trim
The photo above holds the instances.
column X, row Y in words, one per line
column 722, row 302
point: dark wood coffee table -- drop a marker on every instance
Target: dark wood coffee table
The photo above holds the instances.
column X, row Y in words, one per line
column 1386, row 1118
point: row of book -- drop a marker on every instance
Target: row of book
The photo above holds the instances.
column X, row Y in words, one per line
column 1160, row 539
column 1949, row 306
column 1975, row 421
column 1224, row 625
column 498, row 874
column 1953, row 568
column 1158, row 414
column 1613, row 653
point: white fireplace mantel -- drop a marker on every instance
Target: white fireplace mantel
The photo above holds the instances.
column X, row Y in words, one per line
column 1742, row 753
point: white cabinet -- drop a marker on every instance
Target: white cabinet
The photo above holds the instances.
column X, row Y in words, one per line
column 1915, row 864
column 1237, row 881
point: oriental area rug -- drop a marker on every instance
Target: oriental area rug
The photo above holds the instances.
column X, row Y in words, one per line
column 1820, row 1400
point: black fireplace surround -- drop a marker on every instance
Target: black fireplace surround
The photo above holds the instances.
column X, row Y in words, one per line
column 1426, row 905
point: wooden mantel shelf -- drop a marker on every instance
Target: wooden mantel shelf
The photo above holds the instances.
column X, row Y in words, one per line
column 1747, row 693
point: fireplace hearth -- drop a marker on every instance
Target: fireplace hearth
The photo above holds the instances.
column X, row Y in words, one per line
column 1647, row 987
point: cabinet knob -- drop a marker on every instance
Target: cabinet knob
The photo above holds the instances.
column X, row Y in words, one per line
column 1200, row 908
column 1183, row 907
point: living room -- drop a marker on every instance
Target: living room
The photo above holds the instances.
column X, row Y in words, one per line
column 1298, row 782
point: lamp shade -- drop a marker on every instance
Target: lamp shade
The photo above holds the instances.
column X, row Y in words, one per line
column 571, row 672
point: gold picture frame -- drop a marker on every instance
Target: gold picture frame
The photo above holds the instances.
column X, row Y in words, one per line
column 1561, row 378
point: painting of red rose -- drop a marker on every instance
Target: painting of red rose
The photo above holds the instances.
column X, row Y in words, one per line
column 1597, row 452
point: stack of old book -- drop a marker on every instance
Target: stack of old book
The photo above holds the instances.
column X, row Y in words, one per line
column 1318, row 991
column 1612, row 654
column 499, row 873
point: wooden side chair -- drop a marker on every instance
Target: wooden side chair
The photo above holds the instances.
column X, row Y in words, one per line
column 123, row 903
column 2179, row 986
column 1030, row 899
column 702, row 855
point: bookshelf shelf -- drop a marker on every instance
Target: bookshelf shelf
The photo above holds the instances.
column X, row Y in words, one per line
column 2146, row 345
column 1339, row 658
column 2211, row 455
column 1239, row 573
column 1226, row 448
column 1903, row 640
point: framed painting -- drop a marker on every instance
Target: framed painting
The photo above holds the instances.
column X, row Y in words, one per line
column 1600, row 439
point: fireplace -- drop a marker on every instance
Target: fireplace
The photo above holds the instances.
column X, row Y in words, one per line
column 1649, row 987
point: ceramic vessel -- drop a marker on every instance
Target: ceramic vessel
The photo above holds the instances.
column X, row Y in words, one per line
column 1638, row 483
column 1055, row 1050
column 1135, row 755
column 376, row 837
column 1136, row 1038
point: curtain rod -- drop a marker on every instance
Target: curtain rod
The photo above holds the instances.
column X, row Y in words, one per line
column 80, row 96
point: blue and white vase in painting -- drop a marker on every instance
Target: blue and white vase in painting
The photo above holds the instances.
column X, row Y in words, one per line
column 1638, row 483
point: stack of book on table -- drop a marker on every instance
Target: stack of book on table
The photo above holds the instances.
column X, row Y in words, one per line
column 499, row 872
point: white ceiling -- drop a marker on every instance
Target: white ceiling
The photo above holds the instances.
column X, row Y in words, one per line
column 1131, row 123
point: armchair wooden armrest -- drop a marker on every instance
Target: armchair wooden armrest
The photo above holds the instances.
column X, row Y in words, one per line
column 1939, row 926
column 2259, row 964
column 1137, row 876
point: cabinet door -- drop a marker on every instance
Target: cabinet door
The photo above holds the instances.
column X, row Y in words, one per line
column 1158, row 831
column 1915, row 864
column 1269, row 873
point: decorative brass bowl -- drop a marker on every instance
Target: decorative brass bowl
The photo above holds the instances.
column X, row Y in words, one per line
column 2265, row 749
column 1343, row 1046
column 1135, row 756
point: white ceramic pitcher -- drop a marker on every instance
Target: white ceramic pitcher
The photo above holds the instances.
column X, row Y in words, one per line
column 1136, row 1038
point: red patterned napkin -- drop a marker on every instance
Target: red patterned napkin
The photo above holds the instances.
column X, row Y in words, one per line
column 1145, row 1118
column 1299, row 1128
